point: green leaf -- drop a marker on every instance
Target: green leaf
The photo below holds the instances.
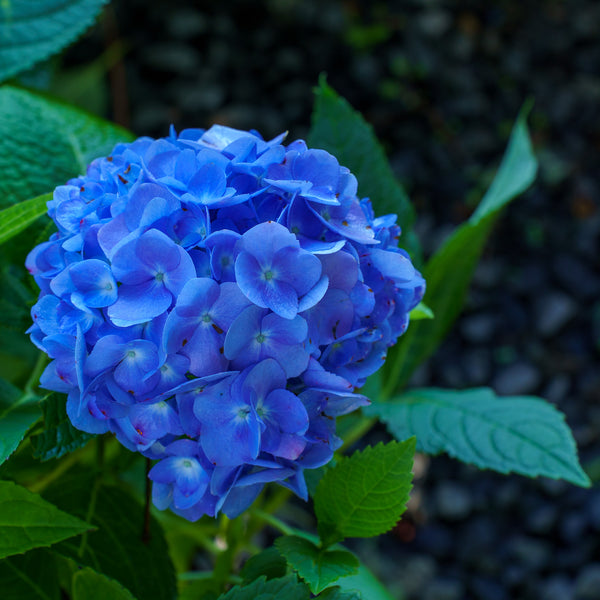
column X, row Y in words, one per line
column 319, row 567
column 31, row 576
column 269, row 563
column 421, row 311
column 18, row 217
column 52, row 143
column 89, row 585
column 27, row 521
column 520, row 434
column 33, row 31
column 515, row 174
column 342, row 131
column 367, row 584
column 450, row 270
column 365, row 494
column 288, row 588
column 336, row 593
column 18, row 412
column 116, row 549
column 59, row 436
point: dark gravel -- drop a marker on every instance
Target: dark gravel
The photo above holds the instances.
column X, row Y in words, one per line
column 441, row 82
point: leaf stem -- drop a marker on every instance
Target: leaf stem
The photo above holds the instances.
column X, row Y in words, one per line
column 63, row 466
column 34, row 378
column 273, row 521
column 358, row 431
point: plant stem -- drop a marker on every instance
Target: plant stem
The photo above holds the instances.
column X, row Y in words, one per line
column 34, row 378
column 273, row 521
column 358, row 431
column 64, row 465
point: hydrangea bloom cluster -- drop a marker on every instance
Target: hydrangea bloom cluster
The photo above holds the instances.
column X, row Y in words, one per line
column 214, row 299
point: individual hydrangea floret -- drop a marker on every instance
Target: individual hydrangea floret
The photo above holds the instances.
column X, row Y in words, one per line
column 215, row 300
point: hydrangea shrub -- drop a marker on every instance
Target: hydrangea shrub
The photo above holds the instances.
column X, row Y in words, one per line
column 215, row 300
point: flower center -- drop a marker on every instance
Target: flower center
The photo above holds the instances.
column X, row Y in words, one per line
column 268, row 275
column 159, row 276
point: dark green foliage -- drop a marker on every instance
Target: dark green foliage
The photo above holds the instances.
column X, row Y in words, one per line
column 33, row 31
column 273, row 589
column 116, row 549
column 28, row 521
column 30, row 576
column 52, row 143
column 269, row 563
column 339, row 129
column 58, row 436
column 18, row 413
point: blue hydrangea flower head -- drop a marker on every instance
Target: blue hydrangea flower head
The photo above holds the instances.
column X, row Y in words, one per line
column 214, row 300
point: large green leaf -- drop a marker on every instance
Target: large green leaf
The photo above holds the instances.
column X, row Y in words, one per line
column 58, row 436
column 28, row 521
column 365, row 494
column 44, row 142
column 268, row 563
column 18, row 412
column 89, row 585
column 336, row 593
column 288, row 588
column 33, row 31
column 116, row 549
column 450, row 270
column 342, row 131
column 18, row 217
column 521, row 434
column 367, row 584
column 30, row 576
column 319, row 567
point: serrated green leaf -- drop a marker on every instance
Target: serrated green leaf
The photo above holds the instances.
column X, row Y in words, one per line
column 421, row 311
column 342, row 131
column 520, row 434
column 269, row 563
column 337, row 593
column 18, row 217
column 28, row 521
column 273, row 589
column 116, row 549
column 318, row 567
column 89, row 585
column 52, row 143
column 33, row 31
column 365, row 494
column 450, row 270
column 18, row 412
column 59, row 436
column 31, row 576
column 367, row 584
